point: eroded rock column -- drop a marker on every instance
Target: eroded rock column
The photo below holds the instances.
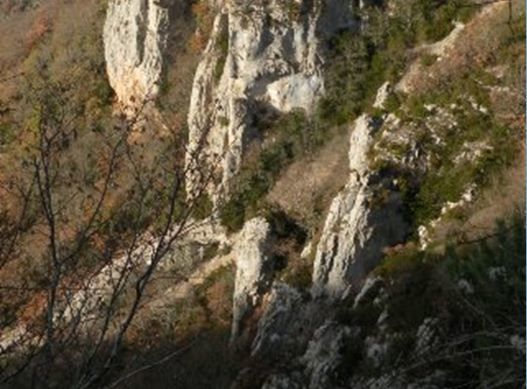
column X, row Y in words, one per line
column 135, row 36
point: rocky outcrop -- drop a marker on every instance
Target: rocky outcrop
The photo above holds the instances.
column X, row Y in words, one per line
column 382, row 95
column 372, row 292
column 318, row 366
column 427, row 335
column 323, row 355
column 253, row 271
column 287, row 323
column 135, row 34
column 363, row 219
column 261, row 54
column 284, row 381
column 281, row 304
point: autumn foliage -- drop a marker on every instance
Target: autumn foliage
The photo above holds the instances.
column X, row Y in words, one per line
column 204, row 19
column 41, row 26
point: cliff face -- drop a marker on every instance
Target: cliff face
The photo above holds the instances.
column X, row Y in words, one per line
column 261, row 55
column 253, row 270
column 269, row 56
column 135, row 34
column 357, row 229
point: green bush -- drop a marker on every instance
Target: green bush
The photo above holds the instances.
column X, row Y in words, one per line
column 475, row 327
column 202, row 207
column 283, row 227
column 6, row 133
column 223, row 51
column 359, row 63
column 428, row 59
column 346, row 77
column 392, row 103
column 288, row 138
column 232, row 214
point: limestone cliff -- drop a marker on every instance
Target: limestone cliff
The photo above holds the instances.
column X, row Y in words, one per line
column 260, row 54
column 268, row 56
column 135, row 34
column 357, row 227
column 253, row 269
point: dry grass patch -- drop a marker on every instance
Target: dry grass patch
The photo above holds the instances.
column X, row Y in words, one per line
column 477, row 45
column 307, row 187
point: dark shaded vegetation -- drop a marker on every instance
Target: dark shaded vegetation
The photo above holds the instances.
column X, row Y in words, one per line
column 285, row 139
column 476, row 292
column 360, row 62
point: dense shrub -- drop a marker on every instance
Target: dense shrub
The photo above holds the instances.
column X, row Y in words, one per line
column 360, row 62
column 222, row 50
column 285, row 139
column 448, row 178
column 202, row 207
column 476, row 293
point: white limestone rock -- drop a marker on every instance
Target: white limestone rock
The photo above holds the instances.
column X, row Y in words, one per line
column 259, row 53
column 372, row 288
column 281, row 304
column 295, row 91
column 135, row 35
column 319, row 363
column 382, row 95
column 465, row 287
column 307, row 250
column 356, row 229
column 518, row 342
column 376, row 350
column 427, row 335
column 497, row 273
column 253, row 270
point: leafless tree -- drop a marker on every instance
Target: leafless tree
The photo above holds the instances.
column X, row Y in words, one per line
column 102, row 237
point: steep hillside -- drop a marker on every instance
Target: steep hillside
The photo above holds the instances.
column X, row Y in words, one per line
column 269, row 194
